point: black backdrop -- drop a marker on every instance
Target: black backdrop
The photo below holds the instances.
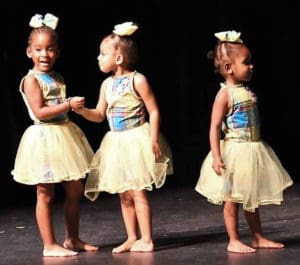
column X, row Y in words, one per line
column 174, row 41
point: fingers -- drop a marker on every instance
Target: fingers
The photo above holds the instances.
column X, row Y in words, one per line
column 78, row 102
column 219, row 168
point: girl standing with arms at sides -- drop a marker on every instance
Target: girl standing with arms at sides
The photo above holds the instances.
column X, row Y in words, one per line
column 53, row 149
column 241, row 168
column 133, row 155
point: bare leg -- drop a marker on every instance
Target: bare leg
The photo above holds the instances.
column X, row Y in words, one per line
column 143, row 212
column 231, row 222
column 257, row 238
column 74, row 191
column 45, row 195
column 130, row 222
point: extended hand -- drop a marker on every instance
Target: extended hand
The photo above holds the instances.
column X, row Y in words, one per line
column 77, row 102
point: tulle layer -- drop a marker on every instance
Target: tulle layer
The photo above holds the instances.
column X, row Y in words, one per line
column 52, row 153
column 253, row 176
column 125, row 161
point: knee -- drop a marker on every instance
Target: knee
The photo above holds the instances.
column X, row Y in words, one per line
column 74, row 191
column 45, row 193
column 126, row 199
column 74, row 195
column 45, row 198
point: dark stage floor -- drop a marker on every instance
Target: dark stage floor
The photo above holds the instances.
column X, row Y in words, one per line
column 187, row 230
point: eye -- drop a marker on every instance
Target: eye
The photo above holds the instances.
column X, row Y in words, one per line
column 52, row 49
column 247, row 61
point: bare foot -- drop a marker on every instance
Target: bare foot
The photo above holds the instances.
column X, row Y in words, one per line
column 125, row 247
column 142, row 246
column 58, row 251
column 265, row 243
column 77, row 244
column 237, row 246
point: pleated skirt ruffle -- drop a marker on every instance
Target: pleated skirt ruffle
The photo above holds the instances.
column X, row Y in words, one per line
column 125, row 161
column 253, row 176
column 52, row 153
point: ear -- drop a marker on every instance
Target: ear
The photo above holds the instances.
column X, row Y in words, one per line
column 119, row 59
column 28, row 52
column 227, row 68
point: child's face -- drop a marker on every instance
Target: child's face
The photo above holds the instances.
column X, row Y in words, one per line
column 241, row 66
column 108, row 56
column 43, row 51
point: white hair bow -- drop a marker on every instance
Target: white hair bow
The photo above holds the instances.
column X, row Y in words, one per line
column 125, row 29
column 230, row 36
column 38, row 21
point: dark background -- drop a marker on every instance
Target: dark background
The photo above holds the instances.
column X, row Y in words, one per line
column 174, row 39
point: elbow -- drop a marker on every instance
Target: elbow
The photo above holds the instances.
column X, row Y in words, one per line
column 41, row 116
column 99, row 120
column 155, row 114
column 216, row 126
column 97, row 117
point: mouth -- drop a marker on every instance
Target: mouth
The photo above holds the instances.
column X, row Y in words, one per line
column 44, row 63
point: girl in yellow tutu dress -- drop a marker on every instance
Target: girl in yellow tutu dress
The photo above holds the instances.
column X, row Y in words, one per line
column 133, row 156
column 241, row 168
column 53, row 149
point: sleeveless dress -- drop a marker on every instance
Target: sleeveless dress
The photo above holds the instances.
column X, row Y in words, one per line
column 124, row 160
column 54, row 150
column 254, row 175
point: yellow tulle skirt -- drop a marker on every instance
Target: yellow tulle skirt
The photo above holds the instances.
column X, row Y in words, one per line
column 125, row 161
column 52, row 153
column 253, row 176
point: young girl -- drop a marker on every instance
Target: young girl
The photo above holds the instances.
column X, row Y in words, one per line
column 133, row 155
column 53, row 149
column 241, row 168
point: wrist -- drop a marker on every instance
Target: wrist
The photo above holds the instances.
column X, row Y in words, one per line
column 82, row 111
column 69, row 102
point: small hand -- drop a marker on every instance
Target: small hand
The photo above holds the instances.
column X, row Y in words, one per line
column 156, row 151
column 77, row 102
column 218, row 165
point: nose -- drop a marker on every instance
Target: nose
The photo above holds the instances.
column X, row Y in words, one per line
column 44, row 53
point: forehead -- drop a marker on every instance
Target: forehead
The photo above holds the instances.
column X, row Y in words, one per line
column 244, row 51
column 108, row 44
column 42, row 38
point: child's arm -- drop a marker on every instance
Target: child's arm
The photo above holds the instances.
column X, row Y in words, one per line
column 34, row 97
column 97, row 114
column 143, row 88
column 219, row 110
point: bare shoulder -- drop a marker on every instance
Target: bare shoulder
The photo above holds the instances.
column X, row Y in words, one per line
column 139, row 78
column 222, row 100
column 30, row 81
column 222, row 94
